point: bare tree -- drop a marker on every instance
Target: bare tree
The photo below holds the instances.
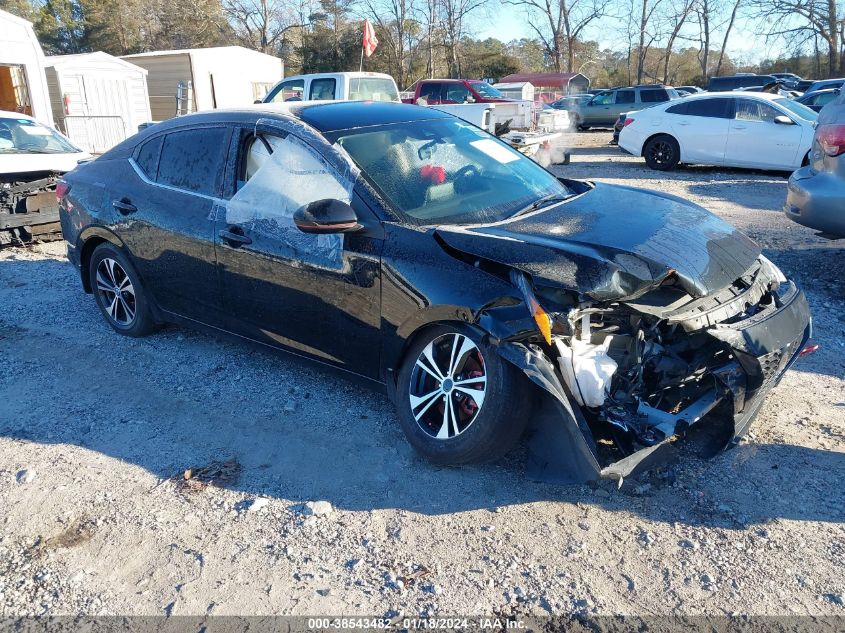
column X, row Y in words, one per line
column 394, row 20
column 262, row 24
column 727, row 36
column 559, row 23
column 675, row 18
column 801, row 22
column 703, row 10
column 646, row 36
column 453, row 15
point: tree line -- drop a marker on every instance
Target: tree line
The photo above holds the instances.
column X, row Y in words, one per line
column 671, row 41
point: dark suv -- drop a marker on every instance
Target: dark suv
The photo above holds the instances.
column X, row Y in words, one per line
column 603, row 109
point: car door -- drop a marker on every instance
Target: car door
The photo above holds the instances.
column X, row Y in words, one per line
column 756, row 140
column 624, row 101
column 319, row 295
column 701, row 127
column 164, row 197
column 598, row 110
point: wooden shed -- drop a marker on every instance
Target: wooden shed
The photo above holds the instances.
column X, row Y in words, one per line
column 196, row 79
column 23, row 87
column 97, row 100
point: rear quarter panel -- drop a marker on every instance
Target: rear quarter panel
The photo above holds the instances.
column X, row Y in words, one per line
column 85, row 205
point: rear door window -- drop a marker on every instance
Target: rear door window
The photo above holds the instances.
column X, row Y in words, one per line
column 193, row 159
column 713, row 108
column 147, row 157
column 322, row 89
column 624, row 97
column 654, row 95
column 824, row 98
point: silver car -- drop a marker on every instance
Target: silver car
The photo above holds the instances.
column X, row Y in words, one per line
column 816, row 196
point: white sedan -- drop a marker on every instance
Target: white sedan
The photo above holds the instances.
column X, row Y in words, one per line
column 748, row 129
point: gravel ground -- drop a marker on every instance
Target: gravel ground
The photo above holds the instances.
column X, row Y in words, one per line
column 321, row 507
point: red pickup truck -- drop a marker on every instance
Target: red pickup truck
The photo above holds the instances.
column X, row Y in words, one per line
column 449, row 91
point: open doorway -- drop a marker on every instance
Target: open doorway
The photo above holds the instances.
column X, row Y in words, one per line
column 14, row 91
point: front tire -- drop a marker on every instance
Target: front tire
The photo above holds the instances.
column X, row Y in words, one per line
column 118, row 292
column 662, row 153
column 459, row 402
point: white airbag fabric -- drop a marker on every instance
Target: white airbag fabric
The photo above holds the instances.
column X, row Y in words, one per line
column 587, row 370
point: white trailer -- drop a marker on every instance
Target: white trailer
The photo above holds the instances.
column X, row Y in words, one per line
column 537, row 142
column 97, row 100
column 197, row 79
column 23, row 87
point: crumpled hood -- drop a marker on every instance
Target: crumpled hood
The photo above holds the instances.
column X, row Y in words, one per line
column 614, row 242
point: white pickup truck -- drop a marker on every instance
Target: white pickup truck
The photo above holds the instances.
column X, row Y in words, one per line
column 347, row 86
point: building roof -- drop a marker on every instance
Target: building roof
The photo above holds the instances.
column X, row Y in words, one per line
column 59, row 60
column 552, row 80
column 188, row 51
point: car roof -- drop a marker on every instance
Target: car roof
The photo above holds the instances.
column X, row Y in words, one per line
column 765, row 96
column 324, row 116
column 352, row 74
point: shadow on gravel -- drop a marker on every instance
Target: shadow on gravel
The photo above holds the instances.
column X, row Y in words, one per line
column 168, row 403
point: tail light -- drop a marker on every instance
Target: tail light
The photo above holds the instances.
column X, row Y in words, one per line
column 61, row 190
column 832, row 139
column 627, row 122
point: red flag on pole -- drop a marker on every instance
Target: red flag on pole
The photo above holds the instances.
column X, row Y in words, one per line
column 369, row 42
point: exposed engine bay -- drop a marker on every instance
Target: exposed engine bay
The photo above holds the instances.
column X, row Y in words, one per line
column 28, row 207
column 643, row 372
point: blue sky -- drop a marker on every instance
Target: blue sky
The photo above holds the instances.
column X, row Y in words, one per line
column 508, row 23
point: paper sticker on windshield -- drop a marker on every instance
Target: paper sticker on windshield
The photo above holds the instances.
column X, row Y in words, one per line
column 37, row 130
column 494, row 150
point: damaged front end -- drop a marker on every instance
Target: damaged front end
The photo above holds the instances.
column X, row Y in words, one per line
column 632, row 378
column 28, row 207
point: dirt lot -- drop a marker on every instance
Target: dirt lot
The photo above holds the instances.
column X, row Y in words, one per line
column 93, row 426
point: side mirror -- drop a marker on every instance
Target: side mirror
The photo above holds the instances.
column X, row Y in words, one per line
column 326, row 216
column 784, row 120
column 257, row 101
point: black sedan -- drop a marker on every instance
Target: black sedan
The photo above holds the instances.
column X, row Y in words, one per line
column 416, row 250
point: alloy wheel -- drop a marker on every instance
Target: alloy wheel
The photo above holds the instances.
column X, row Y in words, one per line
column 660, row 152
column 116, row 292
column 448, row 385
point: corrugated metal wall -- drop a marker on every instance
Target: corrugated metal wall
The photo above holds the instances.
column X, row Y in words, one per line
column 165, row 73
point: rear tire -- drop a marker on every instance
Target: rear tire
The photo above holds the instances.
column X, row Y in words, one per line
column 118, row 291
column 662, row 153
column 451, row 365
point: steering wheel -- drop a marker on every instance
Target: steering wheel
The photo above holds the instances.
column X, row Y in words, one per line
column 464, row 176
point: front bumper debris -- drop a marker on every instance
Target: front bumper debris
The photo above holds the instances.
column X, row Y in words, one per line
column 763, row 347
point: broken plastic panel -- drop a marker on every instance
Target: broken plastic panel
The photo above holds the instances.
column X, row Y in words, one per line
column 284, row 173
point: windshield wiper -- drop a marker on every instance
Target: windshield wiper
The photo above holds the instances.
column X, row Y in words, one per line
column 539, row 202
